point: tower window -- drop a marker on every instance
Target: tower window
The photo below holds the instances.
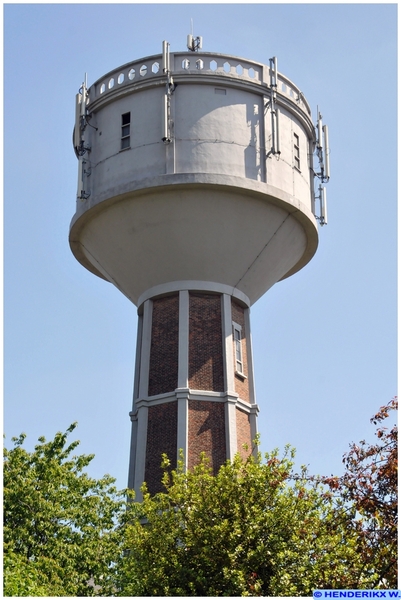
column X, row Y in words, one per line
column 125, row 130
column 238, row 348
column 297, row 160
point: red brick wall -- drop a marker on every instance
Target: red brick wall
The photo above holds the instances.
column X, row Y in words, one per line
column 163, row 367
column 243, row 433
column 205, row 343
column 206, row 433
column 161, row 438
column 241, row 385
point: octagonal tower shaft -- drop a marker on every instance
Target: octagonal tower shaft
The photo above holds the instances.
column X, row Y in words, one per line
column 194, row 387
column 195, row 196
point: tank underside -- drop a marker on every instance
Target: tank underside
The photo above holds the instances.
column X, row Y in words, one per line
column 187, row 228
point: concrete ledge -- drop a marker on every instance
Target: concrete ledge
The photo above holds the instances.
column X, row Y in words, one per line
column 192, row 286
column 189, row 183
column 176, row 180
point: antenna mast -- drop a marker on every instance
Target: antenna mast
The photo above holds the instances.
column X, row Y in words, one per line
column 81, row 120
column 194, row 44
column 323, row 155
column 274, row 110
column 166, row 115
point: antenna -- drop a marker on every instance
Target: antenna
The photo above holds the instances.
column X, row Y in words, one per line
column 278, row 151
column 80, row 115
column 83, row 98
column 80, row 178
column 323, row 152
column 166, row 57
column 322, row 148
column 319, row 129
column 165, row 114
column 326, row 151
column 77, row 128
column 275, row 148
column 273, row 73
column 79, row 140
column 166, row 110
column 194, row 43
column 323, row 205
column 81, row 194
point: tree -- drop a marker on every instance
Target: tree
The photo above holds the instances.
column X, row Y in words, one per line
column 256, row 528
column 369, row 488
column 60, row 534
column 253, row 529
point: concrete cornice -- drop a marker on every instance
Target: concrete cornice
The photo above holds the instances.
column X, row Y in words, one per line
column 193, row 286
column 122, row 191
column 202, row 395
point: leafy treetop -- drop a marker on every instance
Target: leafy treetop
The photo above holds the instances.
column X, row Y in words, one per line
column 59, row 524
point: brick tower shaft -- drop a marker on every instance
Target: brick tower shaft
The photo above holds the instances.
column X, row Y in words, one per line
column 194, row 388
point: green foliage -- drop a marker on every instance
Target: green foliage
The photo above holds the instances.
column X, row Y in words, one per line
column 369, row 486
column 254, row 529
column 59, row 524
column 23, row 578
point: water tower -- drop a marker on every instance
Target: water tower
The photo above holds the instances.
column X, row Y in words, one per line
column 196, row 194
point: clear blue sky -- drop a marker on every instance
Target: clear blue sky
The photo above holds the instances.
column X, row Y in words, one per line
column 324, row 340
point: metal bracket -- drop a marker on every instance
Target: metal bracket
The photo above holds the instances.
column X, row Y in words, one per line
column 84, row 195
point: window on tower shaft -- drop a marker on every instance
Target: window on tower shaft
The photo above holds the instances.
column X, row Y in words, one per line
column 125, row 130
column 238, row 348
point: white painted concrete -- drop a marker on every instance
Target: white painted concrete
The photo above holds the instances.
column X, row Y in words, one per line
column 194, row 286
column 214, row 204
column 228, row 344
column 140, row 454
column 182, row 425
column 200, row 232
column 249, row 353
column 183, row 339
column 145, row 350
column 231, row 427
